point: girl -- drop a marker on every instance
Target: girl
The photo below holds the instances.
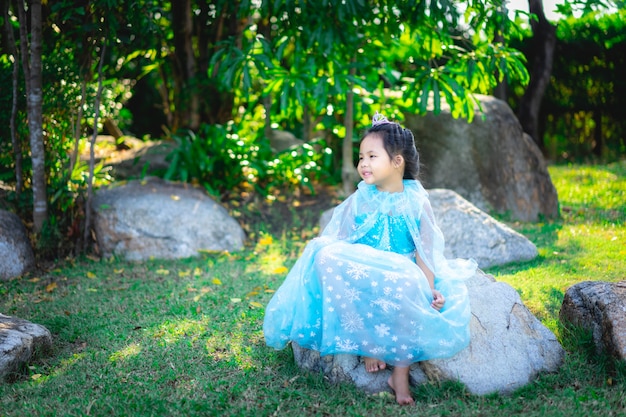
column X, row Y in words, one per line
column 376, row 283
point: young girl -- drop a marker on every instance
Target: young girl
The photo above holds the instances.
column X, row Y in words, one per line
column 376, row 283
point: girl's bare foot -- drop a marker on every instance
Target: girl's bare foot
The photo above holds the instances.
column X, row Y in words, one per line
column 399, row 383
column 374, row 365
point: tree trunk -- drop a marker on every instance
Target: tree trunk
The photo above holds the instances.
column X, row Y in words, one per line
column 77, row 130
column 219, row 103
column 34, row 97
column 17, row 146
column 349, row 173
column 543, row 44
column 182, row 26
column 92, row 158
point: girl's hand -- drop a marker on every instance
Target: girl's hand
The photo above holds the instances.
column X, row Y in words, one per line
column 438, row 300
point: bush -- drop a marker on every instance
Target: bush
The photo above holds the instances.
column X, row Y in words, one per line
column 224, row 162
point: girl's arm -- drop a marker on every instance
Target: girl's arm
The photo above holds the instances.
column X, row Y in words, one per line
column 438, row 298
column 429, row 274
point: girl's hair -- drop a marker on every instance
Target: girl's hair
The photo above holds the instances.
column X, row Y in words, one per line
column 398, row 141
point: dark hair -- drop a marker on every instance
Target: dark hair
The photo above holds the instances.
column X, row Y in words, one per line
column 398, row 141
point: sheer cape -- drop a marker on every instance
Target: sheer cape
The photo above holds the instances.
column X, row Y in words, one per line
column 414, row 207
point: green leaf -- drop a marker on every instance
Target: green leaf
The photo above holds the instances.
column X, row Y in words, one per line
column 436, row 97
column 425, row 91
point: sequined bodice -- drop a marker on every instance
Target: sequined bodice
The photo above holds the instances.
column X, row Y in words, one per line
column 390, row 233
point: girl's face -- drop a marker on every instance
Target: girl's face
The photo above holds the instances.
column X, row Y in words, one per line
column 377, row 167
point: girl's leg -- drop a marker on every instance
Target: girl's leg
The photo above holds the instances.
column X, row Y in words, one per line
column 399, row 383
column 374, row 365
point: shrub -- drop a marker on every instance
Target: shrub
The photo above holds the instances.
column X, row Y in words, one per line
column 224, row 162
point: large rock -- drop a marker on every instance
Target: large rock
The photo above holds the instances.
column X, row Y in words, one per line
column 20, row 341
column 599, row 307
column 509, row 347
column 490, row 161
column 471, row 233
column 16, row 253
column 154, row 218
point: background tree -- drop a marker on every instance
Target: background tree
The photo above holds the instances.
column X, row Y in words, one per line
column 540, row 54
column 543, row 41
column 348, row 44
column 31, row 63
column 15, row 63
column 584, row 106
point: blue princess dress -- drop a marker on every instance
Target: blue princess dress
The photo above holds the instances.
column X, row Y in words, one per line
column 357, row 289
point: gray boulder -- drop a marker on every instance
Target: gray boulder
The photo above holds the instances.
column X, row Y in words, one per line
column 490, row 161
column 16, row 253
column 509, row 347
column 471, row 233
column 153, row 218
column 599, row 307
column 281, row 140
column 20, row 341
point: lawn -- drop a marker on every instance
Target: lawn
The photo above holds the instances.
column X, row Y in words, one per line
column 184, row 338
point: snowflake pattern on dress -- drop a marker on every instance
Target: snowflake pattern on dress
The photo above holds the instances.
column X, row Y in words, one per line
column 346, row 345
column 386, row 305
column 357, row 271
column 351, row 322
column 382, row 330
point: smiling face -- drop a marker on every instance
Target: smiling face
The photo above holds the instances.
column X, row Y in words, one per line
column 377, row 167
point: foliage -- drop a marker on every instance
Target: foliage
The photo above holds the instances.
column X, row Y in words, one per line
column 226, row 163
column 184, row 337
column 582, row 112
column 592, row 52
column 399, row 46
column 7, row 159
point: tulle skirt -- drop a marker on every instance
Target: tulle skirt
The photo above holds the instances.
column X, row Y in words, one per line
column 351, row 298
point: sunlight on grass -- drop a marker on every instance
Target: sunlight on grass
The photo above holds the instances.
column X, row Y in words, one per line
column 64, row 366
column 270, row 257
column 131, row 350
column 174, row 331
column 235, row 347
column 592, row 191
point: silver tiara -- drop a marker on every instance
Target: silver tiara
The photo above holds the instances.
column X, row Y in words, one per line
column 379, row 119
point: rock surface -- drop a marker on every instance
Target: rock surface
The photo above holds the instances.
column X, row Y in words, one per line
column 490, row 161
column 20, row 341
column 599, row 307
column 509, row 347
column 153, row 218
column 16, row 253
column 471, row 233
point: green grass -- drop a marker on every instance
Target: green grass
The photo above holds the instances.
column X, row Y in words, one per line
column 184, row 338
